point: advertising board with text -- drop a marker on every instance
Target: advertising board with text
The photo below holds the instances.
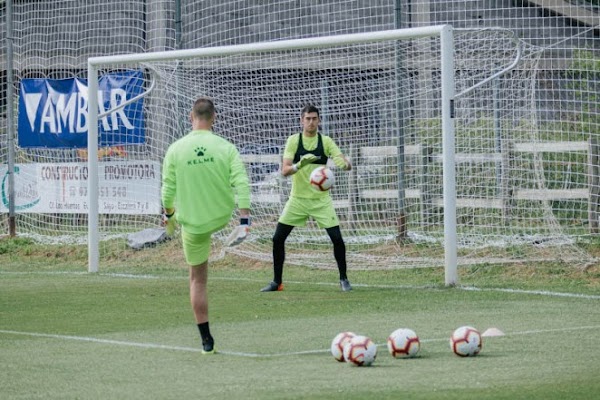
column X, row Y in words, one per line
column 124, row 187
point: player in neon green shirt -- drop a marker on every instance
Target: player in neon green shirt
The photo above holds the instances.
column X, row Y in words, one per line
column 199, row 172
column 303, row 153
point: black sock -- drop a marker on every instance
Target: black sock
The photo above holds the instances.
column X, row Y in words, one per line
column 339, row 250
column 205, row 332
column 282, row 231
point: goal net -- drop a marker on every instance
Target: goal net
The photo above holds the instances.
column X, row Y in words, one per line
column 469, row 182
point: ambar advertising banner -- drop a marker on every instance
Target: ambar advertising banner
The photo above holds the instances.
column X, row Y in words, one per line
column 127, row 187
column 53, row 113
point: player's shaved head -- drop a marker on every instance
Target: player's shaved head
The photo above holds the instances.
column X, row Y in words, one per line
column 204, row 109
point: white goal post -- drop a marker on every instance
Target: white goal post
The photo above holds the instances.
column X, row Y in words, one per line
column 446, row 68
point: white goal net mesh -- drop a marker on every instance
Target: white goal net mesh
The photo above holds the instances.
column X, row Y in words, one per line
column 381, row 103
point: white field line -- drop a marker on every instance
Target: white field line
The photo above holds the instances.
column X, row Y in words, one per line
column 538, row 292
column 82, row 273
column 254, row 355
column 393, row 287
column 148, row 345
column 102, row 341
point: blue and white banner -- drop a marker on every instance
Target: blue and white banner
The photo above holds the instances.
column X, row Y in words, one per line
column 54, row 112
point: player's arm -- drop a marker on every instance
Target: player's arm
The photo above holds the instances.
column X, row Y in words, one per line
column 339, row 159
column 342, row 162
column 169, row 211
column 287, row 167
column 240, row 182
column 168, row 188
column 168, row 191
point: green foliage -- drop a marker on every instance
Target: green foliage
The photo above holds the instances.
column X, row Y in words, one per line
column 584, row 74
column 10, row 245
column 19, row 250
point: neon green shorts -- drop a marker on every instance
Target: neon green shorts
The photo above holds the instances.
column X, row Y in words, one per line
column 298, row 210
column 196, row 247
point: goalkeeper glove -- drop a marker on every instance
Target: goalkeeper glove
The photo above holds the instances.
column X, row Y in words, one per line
column 169, row 223
column 341, row 162
column 305, row 160
column 239, row 233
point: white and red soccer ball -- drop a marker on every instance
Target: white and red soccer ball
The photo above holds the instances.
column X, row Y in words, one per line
column 338, row 343
column 360, row 351
column 466, row 341
column 322, row 179
column 403, row 343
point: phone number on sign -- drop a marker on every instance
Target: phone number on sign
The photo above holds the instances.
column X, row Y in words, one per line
column 112, row 191
column 103, row 191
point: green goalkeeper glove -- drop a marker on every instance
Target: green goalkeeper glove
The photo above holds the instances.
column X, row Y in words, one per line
column 341, row 162
column 169, row 223
column 239, row 233
column 305, row 160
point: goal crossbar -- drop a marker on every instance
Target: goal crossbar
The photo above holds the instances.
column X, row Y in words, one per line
column 291, row 44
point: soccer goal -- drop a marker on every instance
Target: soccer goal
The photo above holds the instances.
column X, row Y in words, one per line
column 437, row 123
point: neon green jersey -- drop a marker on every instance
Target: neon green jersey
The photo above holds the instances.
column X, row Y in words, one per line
column 200, row 177
column 301, row 180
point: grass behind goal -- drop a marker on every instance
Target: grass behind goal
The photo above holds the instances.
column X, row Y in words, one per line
column 128, row 332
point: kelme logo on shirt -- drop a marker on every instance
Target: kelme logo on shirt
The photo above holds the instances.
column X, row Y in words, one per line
column 201, row 156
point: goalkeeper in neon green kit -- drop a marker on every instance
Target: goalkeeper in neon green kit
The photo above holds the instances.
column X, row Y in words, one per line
column 303, row 153
column 199, row 172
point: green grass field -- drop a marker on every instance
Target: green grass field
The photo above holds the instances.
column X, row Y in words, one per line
column 128, row 332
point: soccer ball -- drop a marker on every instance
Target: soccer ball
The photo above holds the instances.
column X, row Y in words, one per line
column 337, row 345
column 322, row 179
column 466, row 341
column 403, row 343
column 360, row 350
